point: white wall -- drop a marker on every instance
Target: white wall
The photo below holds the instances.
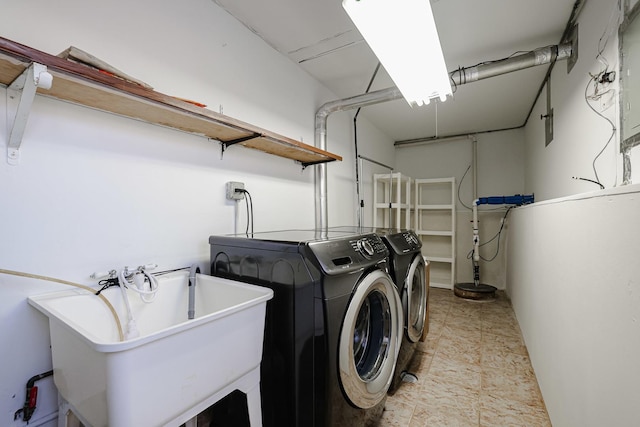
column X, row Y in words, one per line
column 574, row 281
column 499, row 173
column 573, row 275
column 579, row 133
column 95, row 191
column 371, row 145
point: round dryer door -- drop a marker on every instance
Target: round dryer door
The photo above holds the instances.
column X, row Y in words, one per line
column 414, row 299
column 370, row 340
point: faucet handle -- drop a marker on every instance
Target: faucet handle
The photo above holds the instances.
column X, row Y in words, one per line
column 101, row 274
column 148, row 267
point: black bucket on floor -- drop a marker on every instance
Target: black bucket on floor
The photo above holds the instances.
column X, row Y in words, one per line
column 469, row 290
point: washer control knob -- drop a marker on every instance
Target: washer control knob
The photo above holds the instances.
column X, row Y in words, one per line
column 365, row 247
column 413, row 239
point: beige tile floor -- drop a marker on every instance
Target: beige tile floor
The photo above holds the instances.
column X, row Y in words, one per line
column 473, row 370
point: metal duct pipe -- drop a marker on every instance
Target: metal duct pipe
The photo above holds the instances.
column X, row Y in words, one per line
column 320, row 141
column 539, row 56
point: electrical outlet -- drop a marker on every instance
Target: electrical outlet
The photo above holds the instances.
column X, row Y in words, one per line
column 232, row 194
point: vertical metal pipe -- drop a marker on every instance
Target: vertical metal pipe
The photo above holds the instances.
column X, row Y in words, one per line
column 320, row 178
column 360, row 199
column 474, row 164
column 389, row 198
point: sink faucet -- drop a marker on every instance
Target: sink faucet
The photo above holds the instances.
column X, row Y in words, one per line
column 192, row 291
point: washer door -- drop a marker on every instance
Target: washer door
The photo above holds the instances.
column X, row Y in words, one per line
column 414, row 299
column 370, row 340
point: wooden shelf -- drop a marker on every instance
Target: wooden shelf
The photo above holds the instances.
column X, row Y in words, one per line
column 86, row 86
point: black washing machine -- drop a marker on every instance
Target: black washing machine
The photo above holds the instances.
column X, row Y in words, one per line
column 333, row 329
column 408, row 270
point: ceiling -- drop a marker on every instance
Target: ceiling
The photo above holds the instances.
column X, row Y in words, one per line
column 321, row 39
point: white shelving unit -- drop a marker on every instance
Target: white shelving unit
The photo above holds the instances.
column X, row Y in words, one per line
column 435, row 224
column 392, row 195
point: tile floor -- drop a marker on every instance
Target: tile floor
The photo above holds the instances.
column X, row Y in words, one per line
column 473, row 370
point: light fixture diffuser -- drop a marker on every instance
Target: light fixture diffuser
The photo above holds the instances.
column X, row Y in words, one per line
column 404, row 37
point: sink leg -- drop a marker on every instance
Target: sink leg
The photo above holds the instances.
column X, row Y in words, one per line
column 254, row 407
column 66, row 417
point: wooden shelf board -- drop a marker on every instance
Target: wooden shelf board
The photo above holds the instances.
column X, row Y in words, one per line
column 86, row 86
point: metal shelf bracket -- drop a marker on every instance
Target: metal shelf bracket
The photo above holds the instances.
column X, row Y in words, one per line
column 226, row 144
column 20, row 95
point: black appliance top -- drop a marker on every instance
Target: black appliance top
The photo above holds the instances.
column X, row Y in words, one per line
column 337, row 251
column 298, row 236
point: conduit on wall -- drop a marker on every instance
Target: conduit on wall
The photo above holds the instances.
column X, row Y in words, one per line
column 540, row 56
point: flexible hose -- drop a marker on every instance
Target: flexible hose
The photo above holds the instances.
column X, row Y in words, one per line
column 145, row 295
column 132, row 327
column 65, row 282
column 153, row 284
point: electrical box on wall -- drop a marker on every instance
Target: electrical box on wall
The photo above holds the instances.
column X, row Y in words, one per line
column 232, row 194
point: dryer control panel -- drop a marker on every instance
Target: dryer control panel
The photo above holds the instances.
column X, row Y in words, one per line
column 349, row 254
column 369, row 246
column 404, row 242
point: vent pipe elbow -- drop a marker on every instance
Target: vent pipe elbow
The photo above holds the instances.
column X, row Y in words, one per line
column 320, row 141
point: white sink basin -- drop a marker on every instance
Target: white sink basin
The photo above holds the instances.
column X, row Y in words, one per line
column 169, row 373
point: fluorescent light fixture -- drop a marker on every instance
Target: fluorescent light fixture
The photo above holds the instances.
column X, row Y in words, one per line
column 403, row 35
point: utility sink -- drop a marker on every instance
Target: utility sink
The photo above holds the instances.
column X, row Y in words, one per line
column 176, row 367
